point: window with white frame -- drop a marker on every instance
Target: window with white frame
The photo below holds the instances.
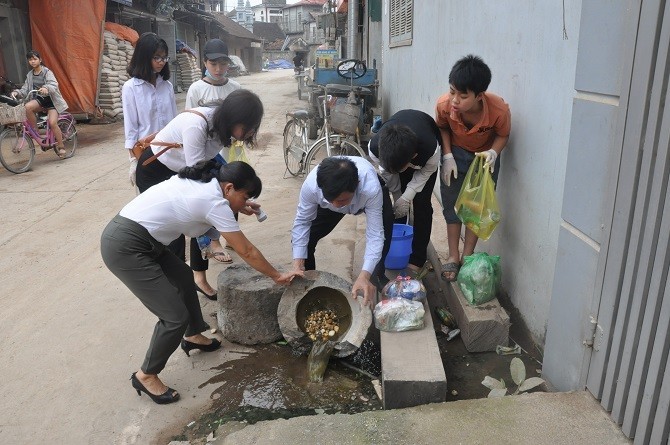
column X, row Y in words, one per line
column 401, row 22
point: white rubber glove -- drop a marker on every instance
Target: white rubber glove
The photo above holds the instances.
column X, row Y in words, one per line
column 132, row 170
column 490, row 157
column 448, row 168
column 401, row 205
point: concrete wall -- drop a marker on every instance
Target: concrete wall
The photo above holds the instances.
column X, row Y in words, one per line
column 533, row 67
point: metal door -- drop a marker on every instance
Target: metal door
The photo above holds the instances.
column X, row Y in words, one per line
column 629, row 369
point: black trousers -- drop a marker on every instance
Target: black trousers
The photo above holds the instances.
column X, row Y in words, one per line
column 162, row 282
column 423, row 217
column 155, row 173
column 326, row 220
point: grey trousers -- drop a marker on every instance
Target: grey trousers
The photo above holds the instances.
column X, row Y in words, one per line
column 162, row 282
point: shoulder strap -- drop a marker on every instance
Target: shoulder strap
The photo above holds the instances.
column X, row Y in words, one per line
column 199, row 114
column 167, row 145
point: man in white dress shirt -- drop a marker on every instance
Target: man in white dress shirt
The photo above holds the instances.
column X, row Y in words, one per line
column 344, row 185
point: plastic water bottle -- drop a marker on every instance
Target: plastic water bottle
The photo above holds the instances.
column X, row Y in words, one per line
column 203, row 243
column 261, row 215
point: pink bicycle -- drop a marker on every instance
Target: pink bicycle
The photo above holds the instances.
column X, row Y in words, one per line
column 17, row 149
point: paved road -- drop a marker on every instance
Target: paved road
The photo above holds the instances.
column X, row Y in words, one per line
column 72, row 333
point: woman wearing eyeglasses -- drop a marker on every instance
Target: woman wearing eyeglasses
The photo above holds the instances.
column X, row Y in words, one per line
column 148, row 96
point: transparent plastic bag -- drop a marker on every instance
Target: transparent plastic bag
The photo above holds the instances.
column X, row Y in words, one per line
column 404, row 287
column 398, row 314
column 476, row 205
column 479, row 278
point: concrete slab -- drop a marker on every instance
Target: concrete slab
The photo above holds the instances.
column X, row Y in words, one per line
column 412, row 370
column 531, row 419
column 482, row 327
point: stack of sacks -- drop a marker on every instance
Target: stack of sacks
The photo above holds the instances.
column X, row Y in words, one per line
column 187, row 70
column 116, row 54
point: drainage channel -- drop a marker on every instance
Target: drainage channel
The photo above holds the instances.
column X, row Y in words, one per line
column 273, row 383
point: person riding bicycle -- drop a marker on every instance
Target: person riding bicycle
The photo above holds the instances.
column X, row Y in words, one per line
column 48, row 100
column 298, row 63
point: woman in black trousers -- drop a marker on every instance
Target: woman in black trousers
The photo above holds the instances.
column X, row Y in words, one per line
column 133, row 247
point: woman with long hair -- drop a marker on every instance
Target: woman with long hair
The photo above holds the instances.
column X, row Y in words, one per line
column 202, row 132
column 148, row 96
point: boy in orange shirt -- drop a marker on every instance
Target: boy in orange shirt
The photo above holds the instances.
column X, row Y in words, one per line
column 472, row 123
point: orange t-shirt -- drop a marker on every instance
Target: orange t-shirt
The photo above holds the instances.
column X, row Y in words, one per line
column 496, row 120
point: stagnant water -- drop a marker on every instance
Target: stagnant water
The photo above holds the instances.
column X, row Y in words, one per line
column 273, row 383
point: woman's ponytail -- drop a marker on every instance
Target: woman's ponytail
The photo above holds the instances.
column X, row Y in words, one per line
column 202, row 171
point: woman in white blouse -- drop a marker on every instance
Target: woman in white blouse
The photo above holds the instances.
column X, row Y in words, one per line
column 148, row 97
column 203, row 132
column 133, row 247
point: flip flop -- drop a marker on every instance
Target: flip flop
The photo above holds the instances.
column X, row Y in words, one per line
column 61, row 152
column 221, row 257
column 450, row 268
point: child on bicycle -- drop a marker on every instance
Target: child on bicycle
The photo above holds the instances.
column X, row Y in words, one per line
column 472, row 122
column 48, row 100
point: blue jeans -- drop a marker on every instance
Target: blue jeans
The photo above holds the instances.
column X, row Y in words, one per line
column 449, row 194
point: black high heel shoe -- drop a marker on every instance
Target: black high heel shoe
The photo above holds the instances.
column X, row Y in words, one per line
column 209, row 297
column 187, row 346
column 169, row 396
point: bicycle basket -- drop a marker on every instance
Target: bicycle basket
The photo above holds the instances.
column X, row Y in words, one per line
column 12, row 115
column 344, row 118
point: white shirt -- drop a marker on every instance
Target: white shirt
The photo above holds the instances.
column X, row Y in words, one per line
column 181, row 206
column 146, row 109
column 201, row 92
column 190, row 130
column 367, row 199
column 419, row 179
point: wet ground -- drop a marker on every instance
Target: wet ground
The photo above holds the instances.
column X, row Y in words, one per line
column 272, row 382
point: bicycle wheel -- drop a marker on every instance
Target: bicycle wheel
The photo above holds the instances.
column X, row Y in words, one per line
column 16, row 152
column 339, row 146
column 294, row 153
column 69, row 136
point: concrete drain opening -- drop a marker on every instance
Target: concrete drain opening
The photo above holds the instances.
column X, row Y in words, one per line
column 320, row 290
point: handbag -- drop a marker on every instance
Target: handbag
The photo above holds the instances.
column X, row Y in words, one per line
column 476, row 205
column 147, row 141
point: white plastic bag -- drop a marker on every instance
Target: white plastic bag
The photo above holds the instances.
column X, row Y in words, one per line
column 398, row 314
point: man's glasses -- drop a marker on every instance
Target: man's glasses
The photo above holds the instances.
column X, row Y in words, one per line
column 158, row 59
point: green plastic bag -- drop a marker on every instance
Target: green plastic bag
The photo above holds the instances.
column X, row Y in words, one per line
column 479, row 278
column 476, row 205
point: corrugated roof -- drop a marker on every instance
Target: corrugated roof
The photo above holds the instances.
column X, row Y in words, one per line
column 307, row 3
column 268, row 31
column 233, row 28
column 273, row 3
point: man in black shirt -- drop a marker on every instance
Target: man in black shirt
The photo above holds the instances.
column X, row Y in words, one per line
column 407, row 150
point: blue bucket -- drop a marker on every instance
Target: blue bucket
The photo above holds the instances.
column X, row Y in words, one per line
column 401, row 247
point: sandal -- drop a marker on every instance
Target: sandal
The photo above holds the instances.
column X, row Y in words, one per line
column 61, row 152
column 221, row 257
column 450, row 268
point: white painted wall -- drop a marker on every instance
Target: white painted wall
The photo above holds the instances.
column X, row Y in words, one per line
column 533, row 69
